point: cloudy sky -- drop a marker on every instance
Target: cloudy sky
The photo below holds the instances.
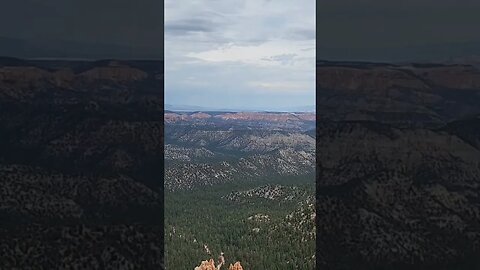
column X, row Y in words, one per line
column 240, row 54
column 397, row 30
column 373, row 30
column 82, row 28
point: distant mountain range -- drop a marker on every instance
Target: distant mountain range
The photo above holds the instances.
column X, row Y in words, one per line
column 193, row 108
column 439, row 52
column 72, row 49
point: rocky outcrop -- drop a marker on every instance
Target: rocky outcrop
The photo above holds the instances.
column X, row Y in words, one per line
column 235, row 266
column 206, row 265
column 210, row 265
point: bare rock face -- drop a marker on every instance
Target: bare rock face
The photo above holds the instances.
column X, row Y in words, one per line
column 236, row 266
column 206, row 265
column 210, row 265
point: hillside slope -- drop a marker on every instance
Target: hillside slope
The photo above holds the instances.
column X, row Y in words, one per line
column 398, row 166
column 81, row 162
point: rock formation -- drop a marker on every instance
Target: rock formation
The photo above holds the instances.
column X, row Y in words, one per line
column 236, row 266
column 206, row 265
column 210, row 265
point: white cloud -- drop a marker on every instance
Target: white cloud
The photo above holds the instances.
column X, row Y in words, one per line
column 235, row 48
column 265, row 54
column 292, row 86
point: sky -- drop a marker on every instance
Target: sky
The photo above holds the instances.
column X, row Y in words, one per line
column 82, row 28
column 397, row 30
column 372, row 30
column 240, row 54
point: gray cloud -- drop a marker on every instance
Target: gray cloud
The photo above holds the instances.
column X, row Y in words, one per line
column 136, row 26
column 183, row 27
column 284, row 59
column 395, row 30
column 241, row 54
column 301, row 34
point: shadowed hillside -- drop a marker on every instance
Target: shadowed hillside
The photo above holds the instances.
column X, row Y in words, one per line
column 398, row 166
column 81, row 164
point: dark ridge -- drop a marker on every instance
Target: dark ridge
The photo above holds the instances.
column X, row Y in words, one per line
column 467, row 129
column 435, row 65
column 325, row 127
column 80, row 65
column 12, row 61
column 353, row 64
column 365, row 64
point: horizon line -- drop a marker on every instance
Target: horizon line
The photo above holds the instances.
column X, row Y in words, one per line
column 238, row 111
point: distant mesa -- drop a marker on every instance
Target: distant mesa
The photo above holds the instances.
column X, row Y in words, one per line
column 171, row 117
column 194, row 108
column 200, row 115
column 110, row 81
column 383, row 79
column 397, row 93
column 29, row 72
column 268, row 116
column 175, row 117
